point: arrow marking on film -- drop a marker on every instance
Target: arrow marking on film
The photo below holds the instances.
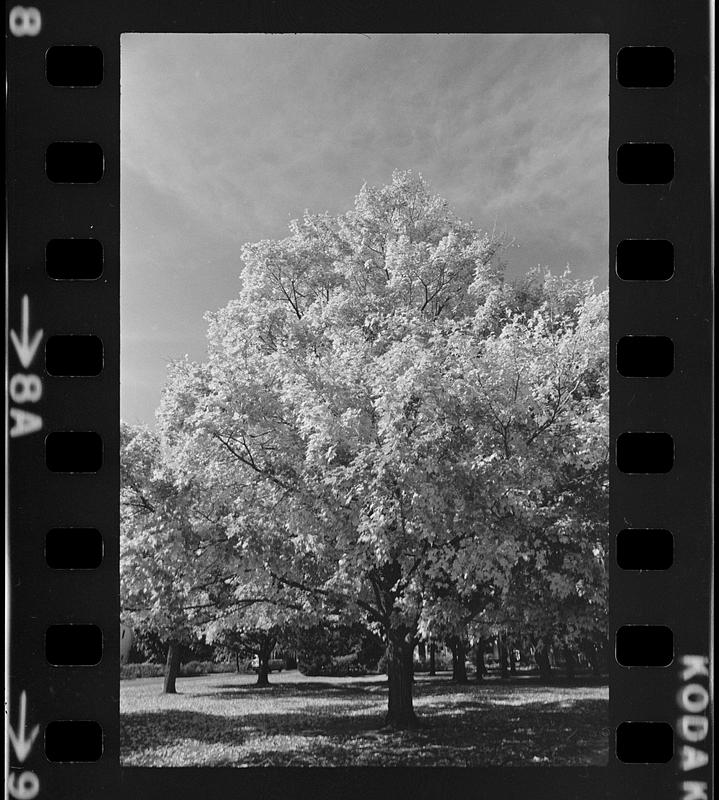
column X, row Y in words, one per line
column 26, row 347
column 21, row 744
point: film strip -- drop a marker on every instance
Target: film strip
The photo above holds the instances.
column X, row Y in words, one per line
column 64, row 276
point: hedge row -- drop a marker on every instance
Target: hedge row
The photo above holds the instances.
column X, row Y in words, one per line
column 334, row 666
column 148, row 670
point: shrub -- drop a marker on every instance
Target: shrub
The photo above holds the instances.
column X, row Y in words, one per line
column 334, row 666
column 321, row 650
column 145, row 670
column 223, row 666
column 188, row 670
column 442, row 663
column 205, row 668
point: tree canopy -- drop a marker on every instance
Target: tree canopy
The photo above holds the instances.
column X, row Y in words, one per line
column 395, row 432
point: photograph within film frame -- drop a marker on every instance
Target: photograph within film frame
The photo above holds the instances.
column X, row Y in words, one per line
column 64, row 646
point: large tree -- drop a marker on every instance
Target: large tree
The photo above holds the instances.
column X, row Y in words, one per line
column 382, row 412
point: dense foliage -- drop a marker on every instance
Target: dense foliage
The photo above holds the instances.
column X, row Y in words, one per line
column 386, row 430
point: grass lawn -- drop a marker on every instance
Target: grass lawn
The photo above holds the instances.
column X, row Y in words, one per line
column 225, row 720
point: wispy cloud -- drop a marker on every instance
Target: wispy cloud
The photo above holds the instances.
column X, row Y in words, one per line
column 226, row 137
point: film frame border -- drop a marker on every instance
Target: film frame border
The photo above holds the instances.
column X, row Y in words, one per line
column 678, row 308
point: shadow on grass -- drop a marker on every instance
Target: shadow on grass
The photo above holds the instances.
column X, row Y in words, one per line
column 141, row 730
column 317, row 723
column 309, row 690
column 424, row 686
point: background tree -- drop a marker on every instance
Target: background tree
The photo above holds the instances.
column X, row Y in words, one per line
column 244, row 642
column 332, row 647
column 255, row 627
column 173, row 561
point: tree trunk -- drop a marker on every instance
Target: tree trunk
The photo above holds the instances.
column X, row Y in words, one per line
column 479, row 660
column 569, row 661
column 503, row 657
column 459, row 668
column 172, row 667
column 263, row 670
column 400, row 708
column 604, row 655
column 590, row 651
column 541, row 656
column 237, row 661
column 432, row 659
column 552, row 656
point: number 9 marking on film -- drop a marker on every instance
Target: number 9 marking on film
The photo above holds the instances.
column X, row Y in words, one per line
column 25, row 21
column 24, row 785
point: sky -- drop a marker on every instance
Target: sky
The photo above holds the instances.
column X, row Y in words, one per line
column 227, row 137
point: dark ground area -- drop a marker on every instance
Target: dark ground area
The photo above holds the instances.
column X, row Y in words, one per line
column 225, row 720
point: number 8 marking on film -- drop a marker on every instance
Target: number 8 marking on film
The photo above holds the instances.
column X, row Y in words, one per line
column 25, row 21
column 25, row 387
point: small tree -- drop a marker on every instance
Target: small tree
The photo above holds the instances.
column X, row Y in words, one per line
column 173, row 562
column 255, row 628
column 245, row 642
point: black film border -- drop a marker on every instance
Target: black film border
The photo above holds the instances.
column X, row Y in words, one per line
column 45, row 208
